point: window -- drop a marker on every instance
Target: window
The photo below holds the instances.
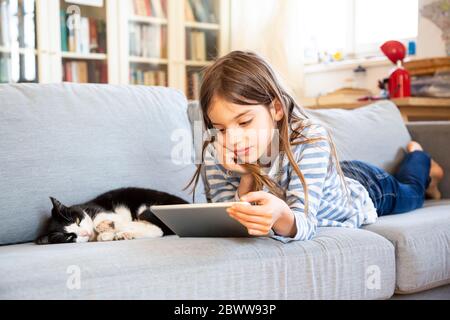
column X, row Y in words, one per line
column 356, row 28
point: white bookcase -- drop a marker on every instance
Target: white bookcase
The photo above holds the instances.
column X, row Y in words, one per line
column 174, row 62
column 122, row 21
column 51, row 56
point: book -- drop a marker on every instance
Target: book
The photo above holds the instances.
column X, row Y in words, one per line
column 201, row 46
column 188, row 12
column 199, row 10
column 197, row 45
column 93, row 36
column 148, row 8
column 101, row 36
column 71, row 43
column 64, row 31
column 82, row 71
column 84, row 36
column 211, row 15
column 158, row 9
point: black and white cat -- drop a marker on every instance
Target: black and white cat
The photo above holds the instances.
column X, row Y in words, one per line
column 121, row 214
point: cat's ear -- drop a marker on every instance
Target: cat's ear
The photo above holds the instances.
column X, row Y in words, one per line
column 57, row 205
column 59, row 210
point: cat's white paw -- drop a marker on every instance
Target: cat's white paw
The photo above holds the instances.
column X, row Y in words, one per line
column 105, row 226
column 153, row 232
column 106, row 236
column 124, row 236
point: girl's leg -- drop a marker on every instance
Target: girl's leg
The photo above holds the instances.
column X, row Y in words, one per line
column 391, row 194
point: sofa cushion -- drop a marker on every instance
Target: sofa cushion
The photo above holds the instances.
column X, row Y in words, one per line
column 338, row 264
column 375, row 133
column 74, row 142
column 422, row 242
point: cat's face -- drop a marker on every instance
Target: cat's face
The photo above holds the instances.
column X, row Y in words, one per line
column 68, row 224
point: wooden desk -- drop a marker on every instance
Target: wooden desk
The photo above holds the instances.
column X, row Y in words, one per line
column 412, row 109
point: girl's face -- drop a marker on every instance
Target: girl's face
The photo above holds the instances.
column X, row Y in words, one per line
column 246, row 131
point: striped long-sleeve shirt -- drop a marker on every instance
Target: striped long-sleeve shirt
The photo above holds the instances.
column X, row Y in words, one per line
column 328, row 205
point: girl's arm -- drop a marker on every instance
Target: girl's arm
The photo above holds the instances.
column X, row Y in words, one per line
column 288, row 219
column 313, row 160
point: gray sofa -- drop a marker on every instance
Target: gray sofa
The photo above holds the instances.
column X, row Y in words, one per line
column 75, row 141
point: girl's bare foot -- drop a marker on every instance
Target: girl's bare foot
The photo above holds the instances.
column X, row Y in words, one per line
column 436, row 173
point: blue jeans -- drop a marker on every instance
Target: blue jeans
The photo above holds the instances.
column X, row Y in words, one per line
column 402, row 192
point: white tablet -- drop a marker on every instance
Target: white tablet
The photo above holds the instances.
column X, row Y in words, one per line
column 201, row 220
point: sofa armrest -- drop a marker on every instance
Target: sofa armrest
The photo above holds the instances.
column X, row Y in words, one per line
column 435, row 139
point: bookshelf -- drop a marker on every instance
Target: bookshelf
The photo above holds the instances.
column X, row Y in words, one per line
column 203, row 31
column 18, row 45
column 178, row 63
column 144, row 42
column 83, row 37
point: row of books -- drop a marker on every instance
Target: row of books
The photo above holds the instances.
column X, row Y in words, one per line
column 85, row 71
column 201, row 45
column 14, row 13
column 150, row 8
column 86, row 35
column 194, row 79
column 200, row 11
column 148, row 40
column 148, row 78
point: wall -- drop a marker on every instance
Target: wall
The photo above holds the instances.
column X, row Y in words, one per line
column 271, row 28
column 256, row 26
column 429, row 44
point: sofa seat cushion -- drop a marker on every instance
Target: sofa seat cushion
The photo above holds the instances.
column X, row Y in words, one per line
column 422, row 242
column 337, row 264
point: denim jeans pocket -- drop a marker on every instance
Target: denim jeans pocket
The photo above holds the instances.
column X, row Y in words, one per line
column 382, row 175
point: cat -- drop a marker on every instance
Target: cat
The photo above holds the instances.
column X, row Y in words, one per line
column 121, row 214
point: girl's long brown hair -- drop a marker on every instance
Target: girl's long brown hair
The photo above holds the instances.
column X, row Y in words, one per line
column 245, row 78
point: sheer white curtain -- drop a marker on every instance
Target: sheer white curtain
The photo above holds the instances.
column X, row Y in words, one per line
column 272, row 29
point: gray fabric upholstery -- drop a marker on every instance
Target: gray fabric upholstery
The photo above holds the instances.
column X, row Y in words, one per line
column 376, row 133
column 337, row 264
column 422, row 245
column 74, row 142
column 435, row 138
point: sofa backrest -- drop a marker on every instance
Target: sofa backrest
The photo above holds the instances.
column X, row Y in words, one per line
column 74, row 142
column 375, row 133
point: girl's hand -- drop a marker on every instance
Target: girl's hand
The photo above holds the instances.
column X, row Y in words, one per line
column 228, row 159
column 259, row 219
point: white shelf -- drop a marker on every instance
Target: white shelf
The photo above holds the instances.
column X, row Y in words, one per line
column 83, row 56
column 135, row 59
column 194, row 63
column 202, row 25
column 148, row 20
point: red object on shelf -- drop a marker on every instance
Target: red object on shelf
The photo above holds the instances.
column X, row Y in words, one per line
column 399, row 78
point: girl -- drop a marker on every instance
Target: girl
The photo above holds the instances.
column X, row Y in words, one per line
column 266, row 151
